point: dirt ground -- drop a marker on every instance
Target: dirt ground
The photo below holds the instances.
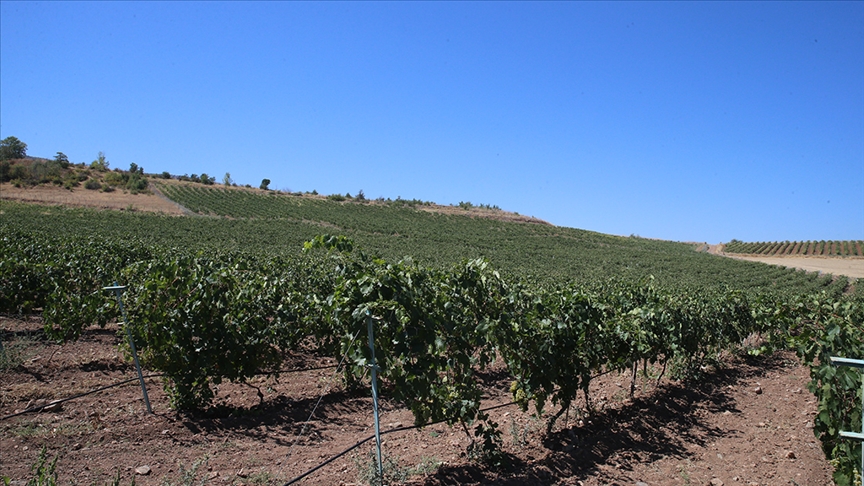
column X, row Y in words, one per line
column 747, row 423
column 80, row 197
column 848, row 266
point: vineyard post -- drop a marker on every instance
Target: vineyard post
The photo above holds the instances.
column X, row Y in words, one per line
column 118, row 291
column 859, row 436
column 374, row 368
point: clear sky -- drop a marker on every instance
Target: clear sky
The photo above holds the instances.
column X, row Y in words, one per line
column 690, row 121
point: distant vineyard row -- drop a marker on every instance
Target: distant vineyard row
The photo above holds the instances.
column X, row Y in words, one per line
column 779, row 248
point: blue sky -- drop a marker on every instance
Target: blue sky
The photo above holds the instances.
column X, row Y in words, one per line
column 685, row 121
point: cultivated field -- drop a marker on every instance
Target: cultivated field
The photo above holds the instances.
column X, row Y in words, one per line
column 674, row 348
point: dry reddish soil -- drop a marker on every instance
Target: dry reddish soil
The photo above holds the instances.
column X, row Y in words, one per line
column 747, row 422
column 80, row 197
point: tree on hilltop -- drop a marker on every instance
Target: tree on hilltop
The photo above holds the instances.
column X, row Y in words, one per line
column 101, row 163
column 12, row 148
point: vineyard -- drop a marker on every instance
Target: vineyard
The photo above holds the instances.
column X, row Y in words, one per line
column 227, row 297
column 850, row 248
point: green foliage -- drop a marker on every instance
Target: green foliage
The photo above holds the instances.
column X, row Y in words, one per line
column 45, row 473
column 19, row 172
column 391, row 471
column 202, row 320
column 101, row 163
column 93, row 184
column 62, row 160
column 265, row 184
column 834, row 328
column 207, row 305
column 12, row 148
column 831, row 248
column 135, row 169
column 136, row 183
column 227, row 179
column 116, row 179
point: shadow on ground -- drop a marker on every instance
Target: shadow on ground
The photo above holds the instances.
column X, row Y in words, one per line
column 663, row 423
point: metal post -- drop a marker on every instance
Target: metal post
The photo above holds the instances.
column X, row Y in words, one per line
column 374, row 368
column 118, row 291
column 859, row 436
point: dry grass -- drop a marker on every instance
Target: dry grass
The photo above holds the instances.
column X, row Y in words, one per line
column 80, row 197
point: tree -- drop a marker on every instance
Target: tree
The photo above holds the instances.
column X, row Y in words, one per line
column 101, row 163
column 227, row 179
column 12, row 148
column 264, row 184
column 61, row 159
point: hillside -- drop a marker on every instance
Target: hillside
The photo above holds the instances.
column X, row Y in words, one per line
column 532, row 251
column 228, row 274
column 269, row 222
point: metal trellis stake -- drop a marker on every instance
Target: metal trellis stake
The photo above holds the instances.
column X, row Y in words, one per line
column 118, row 291
column 859, row 436
column 374, row 368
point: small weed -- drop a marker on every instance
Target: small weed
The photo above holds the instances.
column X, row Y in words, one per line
column 682, row 471
column 15, row 353
column 116, row 480
column 519, row 434
column 36, row 429
column 46, row 474
column 187, row 476
column 393, row 473
column 428, row 465
column 262, row 477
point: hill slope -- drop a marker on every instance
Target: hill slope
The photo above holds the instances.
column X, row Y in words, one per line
column 272, row 224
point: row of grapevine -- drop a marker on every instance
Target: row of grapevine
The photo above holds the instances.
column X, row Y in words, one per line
column 203, row 317
column 815, row 248
column 546, row 254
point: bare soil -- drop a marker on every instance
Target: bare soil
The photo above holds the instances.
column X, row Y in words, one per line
column 81, row 197
column 848, row 266
column 746, row 422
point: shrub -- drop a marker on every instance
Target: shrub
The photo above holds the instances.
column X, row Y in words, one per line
column 136, row 183
column 116, row 179
column 101, row 163
column 19, row 172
